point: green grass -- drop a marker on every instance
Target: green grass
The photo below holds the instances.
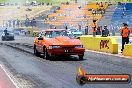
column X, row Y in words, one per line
column 3, row 0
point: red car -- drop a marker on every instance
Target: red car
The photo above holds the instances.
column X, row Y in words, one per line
column 52, row 42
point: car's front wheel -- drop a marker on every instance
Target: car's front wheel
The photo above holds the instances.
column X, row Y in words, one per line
column 36, row 52
column 46, row 55
column 80, row 57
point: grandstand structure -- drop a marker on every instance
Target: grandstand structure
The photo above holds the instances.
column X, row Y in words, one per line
column 74, row 14
column 13, row 13
column 123, row 13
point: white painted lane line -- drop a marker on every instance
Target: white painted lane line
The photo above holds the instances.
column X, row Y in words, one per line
column 104, row 53
column 9, row 75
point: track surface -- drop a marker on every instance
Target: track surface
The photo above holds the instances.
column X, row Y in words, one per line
column 29, row 71
column 5, row 82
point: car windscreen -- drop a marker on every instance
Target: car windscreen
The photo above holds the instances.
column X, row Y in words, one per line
column 53, row 34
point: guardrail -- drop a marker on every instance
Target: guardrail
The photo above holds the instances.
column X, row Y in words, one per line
column 103, row 44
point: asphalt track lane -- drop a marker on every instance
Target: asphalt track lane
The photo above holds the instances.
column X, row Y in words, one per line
column 46, row 71
column 61, row 71
column 5, row 82
column 64, row 70
column 29, row 41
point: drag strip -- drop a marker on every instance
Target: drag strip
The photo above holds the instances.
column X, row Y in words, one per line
column 62, row 70
column 35, row 73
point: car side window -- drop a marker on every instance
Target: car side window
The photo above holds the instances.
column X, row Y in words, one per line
column 41, row 34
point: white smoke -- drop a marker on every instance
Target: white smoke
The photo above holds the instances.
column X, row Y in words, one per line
column 11, row 11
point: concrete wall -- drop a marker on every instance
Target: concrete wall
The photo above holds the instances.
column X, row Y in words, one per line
column 127, row 50
column 103, row 44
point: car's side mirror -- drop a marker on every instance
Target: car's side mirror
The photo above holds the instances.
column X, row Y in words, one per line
column 40, row 38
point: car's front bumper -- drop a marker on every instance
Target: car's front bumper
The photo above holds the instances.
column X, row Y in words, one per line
column 67, row 51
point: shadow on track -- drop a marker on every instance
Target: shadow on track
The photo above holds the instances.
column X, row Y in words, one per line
column 63, row 58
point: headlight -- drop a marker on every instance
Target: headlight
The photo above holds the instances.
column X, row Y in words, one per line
column 79, row 46
column 54, row 46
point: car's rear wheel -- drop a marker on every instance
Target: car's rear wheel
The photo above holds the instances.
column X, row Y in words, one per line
column 46, row 55
column 80, row 57
column 36, row 52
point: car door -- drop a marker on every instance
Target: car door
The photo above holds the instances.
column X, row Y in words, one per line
column 37, row 44
column 40, row 44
